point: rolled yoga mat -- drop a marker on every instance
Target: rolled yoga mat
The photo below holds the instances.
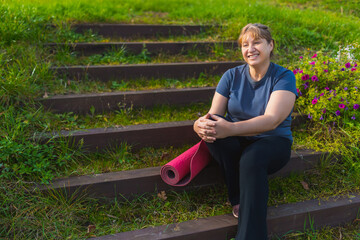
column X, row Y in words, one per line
column 182, row 169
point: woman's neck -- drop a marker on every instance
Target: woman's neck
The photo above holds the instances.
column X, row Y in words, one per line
column 258, row 72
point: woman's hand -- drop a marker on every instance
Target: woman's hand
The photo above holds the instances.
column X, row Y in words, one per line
column 204, row 127
column 222, row 128
column 211, row 129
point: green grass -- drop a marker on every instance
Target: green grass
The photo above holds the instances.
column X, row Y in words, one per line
column 63, row 86
column 63, row 216
column 122, row 56
column 321, row 26
column 348, row 8
column 125, row 116
column 211, row 35
column 24, row 75
column 121, row 158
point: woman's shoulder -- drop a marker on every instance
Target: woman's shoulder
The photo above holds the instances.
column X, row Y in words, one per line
column 280, row 71
column 239, row 68
column 236, row 70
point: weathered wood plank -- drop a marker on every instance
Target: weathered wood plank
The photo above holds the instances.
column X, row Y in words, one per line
column 281, row 219
column 81, row 103
column 139, row 136
column 134, row 71
column 137, row 182
column 141, row 30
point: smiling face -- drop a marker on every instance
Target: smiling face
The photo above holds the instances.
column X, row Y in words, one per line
column 256, row 51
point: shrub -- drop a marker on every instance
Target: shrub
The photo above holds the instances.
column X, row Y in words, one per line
column 328, row 89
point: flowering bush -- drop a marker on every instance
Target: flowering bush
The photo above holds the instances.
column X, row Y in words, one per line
column 328, row 89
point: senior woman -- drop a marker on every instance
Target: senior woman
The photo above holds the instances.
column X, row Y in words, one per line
column 254, row 138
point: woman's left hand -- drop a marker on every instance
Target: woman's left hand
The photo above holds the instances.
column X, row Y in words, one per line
column 221, row 126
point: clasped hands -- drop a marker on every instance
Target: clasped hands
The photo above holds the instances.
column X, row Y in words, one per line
column 212, row 127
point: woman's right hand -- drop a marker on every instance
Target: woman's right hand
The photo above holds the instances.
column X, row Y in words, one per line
column 204, row 127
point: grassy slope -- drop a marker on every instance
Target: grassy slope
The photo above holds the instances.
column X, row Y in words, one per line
column 24, row 74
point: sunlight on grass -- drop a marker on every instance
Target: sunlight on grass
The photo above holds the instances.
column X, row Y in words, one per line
column 125, row 116
column 300, row 28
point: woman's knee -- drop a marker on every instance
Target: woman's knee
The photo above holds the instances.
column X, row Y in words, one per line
column 265, row 154
column 251, row 161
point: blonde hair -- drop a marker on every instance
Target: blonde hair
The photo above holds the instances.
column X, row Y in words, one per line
column 257, row 31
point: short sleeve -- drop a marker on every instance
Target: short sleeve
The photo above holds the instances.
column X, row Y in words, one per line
column 287, row 82
column 224, row 84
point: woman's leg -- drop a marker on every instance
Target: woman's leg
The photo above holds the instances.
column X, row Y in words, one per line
column 227, row 152
column 264, row 156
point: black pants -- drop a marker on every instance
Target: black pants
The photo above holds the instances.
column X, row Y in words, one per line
column 246, row 164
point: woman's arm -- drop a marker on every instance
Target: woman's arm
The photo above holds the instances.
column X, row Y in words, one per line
column 204, row 126
column 280, row 104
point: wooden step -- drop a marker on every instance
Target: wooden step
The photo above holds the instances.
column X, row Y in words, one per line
column 152, row 48
column 147, row 180
column 163, row 134
column 139, row 136
column 135, row 71
column 102, row 102
column 282, row 219
column 140, row 30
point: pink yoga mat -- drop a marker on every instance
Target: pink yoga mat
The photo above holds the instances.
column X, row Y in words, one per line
column 182, row 169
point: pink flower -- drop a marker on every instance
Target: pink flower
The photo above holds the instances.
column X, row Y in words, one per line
column 314, row 101
column 322, row 94
column 301, row 71
column 301, row 57
column 312, row 63
column 341, row 105
column 297, row 90
column 355, row 65
column 305, row 77
column 325, row 70
column 356, row 106
column 353, row 69
column 314, row 78
column 295, row 71
column 348, row 65
column 326, row 88
column 315, row 55
column 324, row 110
column 324, row 62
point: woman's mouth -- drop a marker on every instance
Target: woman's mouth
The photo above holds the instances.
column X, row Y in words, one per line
column 253, row 56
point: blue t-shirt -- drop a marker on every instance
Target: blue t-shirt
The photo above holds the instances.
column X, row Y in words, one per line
column 249, row 98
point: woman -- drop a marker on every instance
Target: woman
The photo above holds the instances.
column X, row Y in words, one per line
column 254, row 139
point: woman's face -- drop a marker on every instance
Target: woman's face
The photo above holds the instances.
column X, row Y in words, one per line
column 256, row 52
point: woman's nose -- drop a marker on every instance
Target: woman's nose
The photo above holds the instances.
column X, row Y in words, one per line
column 251, row 47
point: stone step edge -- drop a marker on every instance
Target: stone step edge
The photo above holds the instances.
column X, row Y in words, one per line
column 109, row 101
column 147, row 180
column 281, row 219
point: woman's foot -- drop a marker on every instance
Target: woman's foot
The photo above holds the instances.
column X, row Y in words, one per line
column 235, row 210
